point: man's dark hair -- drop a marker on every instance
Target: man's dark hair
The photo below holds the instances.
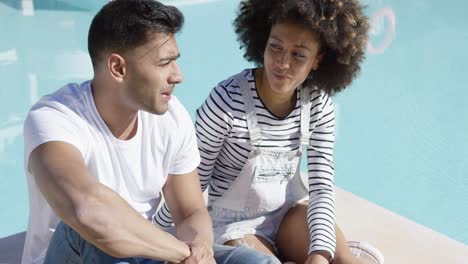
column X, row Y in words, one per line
column 340, row 25
column 122, row 25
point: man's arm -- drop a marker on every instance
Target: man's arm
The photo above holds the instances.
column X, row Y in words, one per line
column 191, row 218
column 95, row 211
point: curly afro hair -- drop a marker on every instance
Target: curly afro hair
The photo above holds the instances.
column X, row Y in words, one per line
column 340, row 25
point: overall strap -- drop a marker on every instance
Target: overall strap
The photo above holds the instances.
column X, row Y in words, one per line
column 250, row 112
column 305, row 117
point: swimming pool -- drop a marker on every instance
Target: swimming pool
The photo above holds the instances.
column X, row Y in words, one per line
column 401, row 127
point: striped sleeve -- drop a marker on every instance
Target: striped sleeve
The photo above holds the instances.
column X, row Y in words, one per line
column 321, row 210
column 213, row 123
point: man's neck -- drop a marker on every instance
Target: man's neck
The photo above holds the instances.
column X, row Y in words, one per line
column 119, row 118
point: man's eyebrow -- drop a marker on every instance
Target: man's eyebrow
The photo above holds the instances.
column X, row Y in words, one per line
column 170, row 58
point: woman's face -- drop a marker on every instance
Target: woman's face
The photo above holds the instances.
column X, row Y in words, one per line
column 292, row 51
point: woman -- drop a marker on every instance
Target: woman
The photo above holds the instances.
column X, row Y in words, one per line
column 254, row 126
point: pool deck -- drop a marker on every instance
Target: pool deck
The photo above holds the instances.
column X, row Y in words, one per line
column 400, row 239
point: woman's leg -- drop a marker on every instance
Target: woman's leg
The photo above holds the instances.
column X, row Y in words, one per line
column 292, row 239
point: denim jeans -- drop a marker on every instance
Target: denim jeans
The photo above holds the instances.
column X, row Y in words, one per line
column 68, row 247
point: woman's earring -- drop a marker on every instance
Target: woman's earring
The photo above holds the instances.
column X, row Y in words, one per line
column 311, row 75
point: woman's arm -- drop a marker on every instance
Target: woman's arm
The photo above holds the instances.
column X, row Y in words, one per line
column 321, row 211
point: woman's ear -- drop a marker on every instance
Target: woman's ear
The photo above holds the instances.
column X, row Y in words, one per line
column 317, row 61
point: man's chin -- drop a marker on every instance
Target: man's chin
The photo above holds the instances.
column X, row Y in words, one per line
column 158, row 111
column 155, row 109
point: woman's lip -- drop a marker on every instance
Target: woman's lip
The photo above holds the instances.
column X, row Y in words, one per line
column 280, row 76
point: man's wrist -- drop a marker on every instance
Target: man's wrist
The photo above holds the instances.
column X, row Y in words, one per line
column 182, row 252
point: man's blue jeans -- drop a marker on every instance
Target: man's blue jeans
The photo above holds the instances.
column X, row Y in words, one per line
column 68, row 247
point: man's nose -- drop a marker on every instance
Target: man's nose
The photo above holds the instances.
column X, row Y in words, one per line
column 176, row 74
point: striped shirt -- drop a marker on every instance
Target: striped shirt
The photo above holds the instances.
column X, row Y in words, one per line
column 224, row 144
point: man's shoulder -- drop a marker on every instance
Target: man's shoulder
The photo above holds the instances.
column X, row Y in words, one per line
column 66, row 105
column 67, row 97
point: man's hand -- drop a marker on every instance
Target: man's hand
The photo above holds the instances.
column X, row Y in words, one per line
column 200, row 253
column 192, row 221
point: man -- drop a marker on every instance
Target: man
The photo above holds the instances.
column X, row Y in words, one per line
column 98, row 155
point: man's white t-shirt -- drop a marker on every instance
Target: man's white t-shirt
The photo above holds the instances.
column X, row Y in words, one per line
column 136, row 169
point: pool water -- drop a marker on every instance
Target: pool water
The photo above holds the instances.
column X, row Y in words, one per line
column 402, row 139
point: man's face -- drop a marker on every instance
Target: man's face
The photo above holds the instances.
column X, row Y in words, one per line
column 152, row 73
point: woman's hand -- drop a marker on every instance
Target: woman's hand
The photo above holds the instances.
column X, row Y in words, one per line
column 318, row 258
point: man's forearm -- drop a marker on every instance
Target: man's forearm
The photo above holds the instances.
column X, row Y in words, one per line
column 126, row 233
column 196, row 227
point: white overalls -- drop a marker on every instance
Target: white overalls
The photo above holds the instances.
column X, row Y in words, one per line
column 268, row 185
